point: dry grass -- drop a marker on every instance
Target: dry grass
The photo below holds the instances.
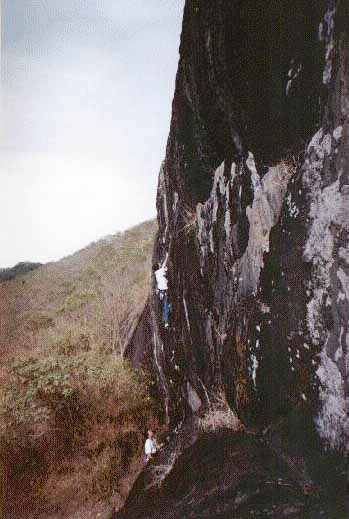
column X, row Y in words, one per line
column 99, row 291
column 288, row 169
column 220, row 415
column 72, row 426
column 290, row 166
column 72, row 413
column 160, row 472
column 190, row 219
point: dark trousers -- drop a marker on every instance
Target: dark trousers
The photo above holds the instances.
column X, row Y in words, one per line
column 165, row 305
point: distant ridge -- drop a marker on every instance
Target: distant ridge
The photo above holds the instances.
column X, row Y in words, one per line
column 21, row 268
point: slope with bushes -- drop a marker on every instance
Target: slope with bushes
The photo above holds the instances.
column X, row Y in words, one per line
column 72, row 412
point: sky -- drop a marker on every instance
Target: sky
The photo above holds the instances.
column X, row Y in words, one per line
column 86, row 94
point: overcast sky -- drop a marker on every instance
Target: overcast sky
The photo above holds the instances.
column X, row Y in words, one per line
column 87, row 87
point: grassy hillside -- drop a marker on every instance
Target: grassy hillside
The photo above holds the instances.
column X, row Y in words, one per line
column 72, row 413
column 91, row 291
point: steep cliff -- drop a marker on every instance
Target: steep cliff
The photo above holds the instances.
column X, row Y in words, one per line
column 253, row 210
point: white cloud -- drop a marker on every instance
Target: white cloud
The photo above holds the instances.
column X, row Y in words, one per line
column 93, row 81
column 55, row 206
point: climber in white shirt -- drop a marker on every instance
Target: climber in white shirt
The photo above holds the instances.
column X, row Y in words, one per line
column 151, row 446
column 160, row 273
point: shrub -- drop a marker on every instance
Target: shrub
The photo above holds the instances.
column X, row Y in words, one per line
column 72, row 422
column 41, row 321
column 189, row 218
column 220, row 415
column 76, row 301
column 160, row 472
column 287, row 170
column 72, row 415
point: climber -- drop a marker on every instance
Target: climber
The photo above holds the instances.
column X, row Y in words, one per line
column 162, row 287
column 151, row 446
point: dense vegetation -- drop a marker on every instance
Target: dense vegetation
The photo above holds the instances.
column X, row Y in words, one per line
column 17, row 270
column 72, row 412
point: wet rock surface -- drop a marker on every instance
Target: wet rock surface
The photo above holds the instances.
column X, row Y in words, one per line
column 253, row 211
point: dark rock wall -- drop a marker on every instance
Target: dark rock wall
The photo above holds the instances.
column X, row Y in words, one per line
column 253, row 209
column 223, row 476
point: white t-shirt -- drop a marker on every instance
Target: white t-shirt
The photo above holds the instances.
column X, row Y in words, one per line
column 150, row 447
column 161, row 279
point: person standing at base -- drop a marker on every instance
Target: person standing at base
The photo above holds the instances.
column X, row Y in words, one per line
column 151, row 446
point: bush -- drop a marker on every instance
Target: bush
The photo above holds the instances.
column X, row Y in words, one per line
column 75, row 301
column 160, row 472
column 189, row 218
column 220, row 415
column 72, row 424
column 72, row 414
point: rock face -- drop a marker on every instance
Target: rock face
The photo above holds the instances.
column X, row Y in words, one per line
column 253, row 210
column 221, row 476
